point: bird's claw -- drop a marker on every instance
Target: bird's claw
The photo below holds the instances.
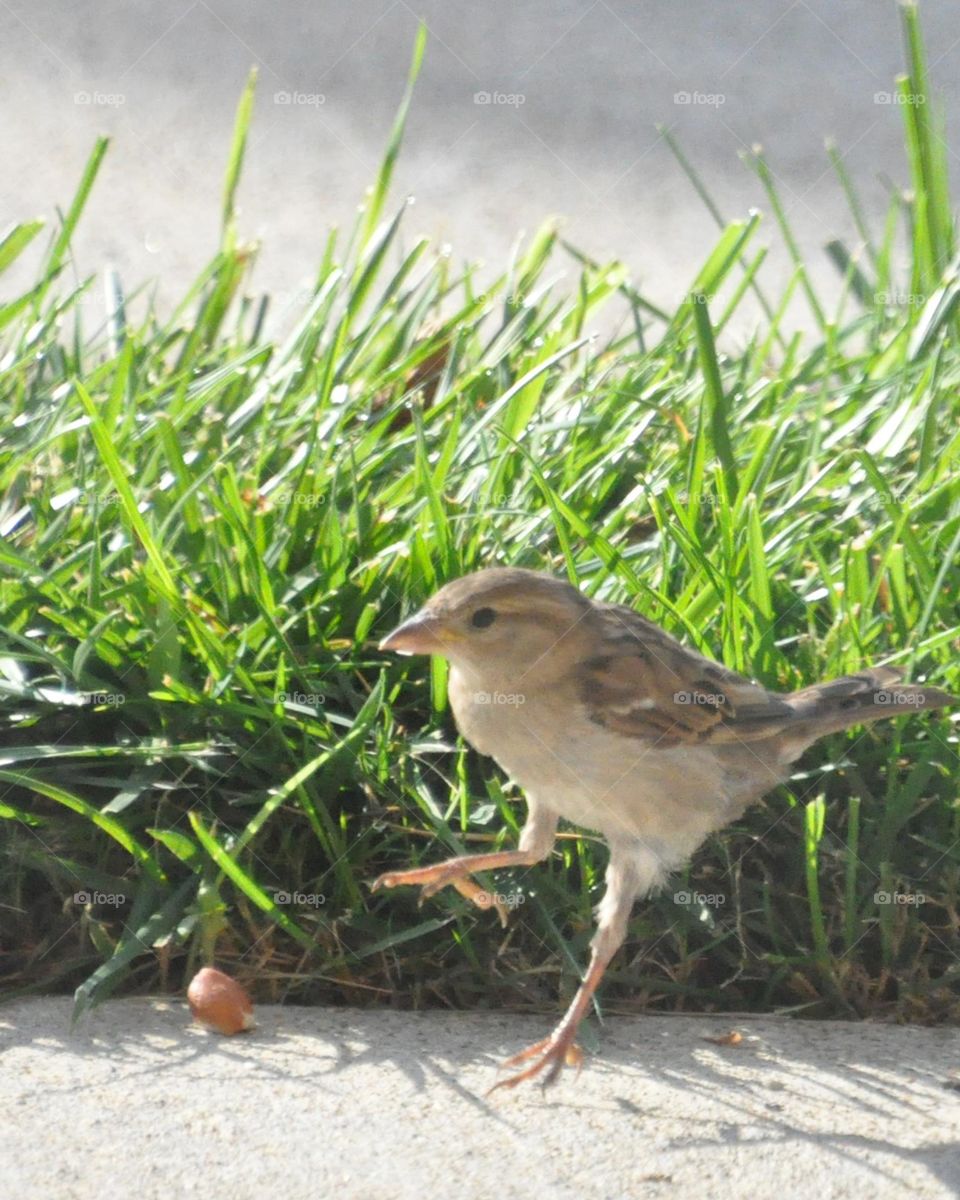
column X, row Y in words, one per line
column 430, row 879
column 433, row 879
column 554, row 1052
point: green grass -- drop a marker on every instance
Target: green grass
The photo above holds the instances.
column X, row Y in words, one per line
column 205, row 530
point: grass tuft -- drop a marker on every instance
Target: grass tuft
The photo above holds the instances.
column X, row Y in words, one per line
column 205, row 529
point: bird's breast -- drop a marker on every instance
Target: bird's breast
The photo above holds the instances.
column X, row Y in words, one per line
column 598, row 779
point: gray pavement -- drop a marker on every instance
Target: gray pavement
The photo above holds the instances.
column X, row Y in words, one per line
column 576, row 88
column 361, row 1104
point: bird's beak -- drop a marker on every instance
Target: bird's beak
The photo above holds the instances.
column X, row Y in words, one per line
column 418, row 635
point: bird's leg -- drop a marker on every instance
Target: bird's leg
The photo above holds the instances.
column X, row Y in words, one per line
column 625, row 881
column 536, row 841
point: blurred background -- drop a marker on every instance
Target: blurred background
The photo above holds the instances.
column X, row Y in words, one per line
column 522, row 111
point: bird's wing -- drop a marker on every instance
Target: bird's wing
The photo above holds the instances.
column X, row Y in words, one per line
column 643, row 683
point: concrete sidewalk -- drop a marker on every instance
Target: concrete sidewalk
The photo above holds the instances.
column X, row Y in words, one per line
column 361, row 1104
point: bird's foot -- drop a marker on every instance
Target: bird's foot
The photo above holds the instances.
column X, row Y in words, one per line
column 449, row 874
column 553, row 1053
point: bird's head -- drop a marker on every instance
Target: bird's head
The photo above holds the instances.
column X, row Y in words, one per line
column 503, row 617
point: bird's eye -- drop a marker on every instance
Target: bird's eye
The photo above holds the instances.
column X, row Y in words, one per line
column 482, row 618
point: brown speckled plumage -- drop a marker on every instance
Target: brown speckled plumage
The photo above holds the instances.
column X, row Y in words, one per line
column 606, row 720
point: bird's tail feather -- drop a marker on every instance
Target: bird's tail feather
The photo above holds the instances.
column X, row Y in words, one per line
column 869, row 695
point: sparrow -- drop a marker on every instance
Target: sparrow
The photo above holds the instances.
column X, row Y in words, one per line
column 606, row 720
